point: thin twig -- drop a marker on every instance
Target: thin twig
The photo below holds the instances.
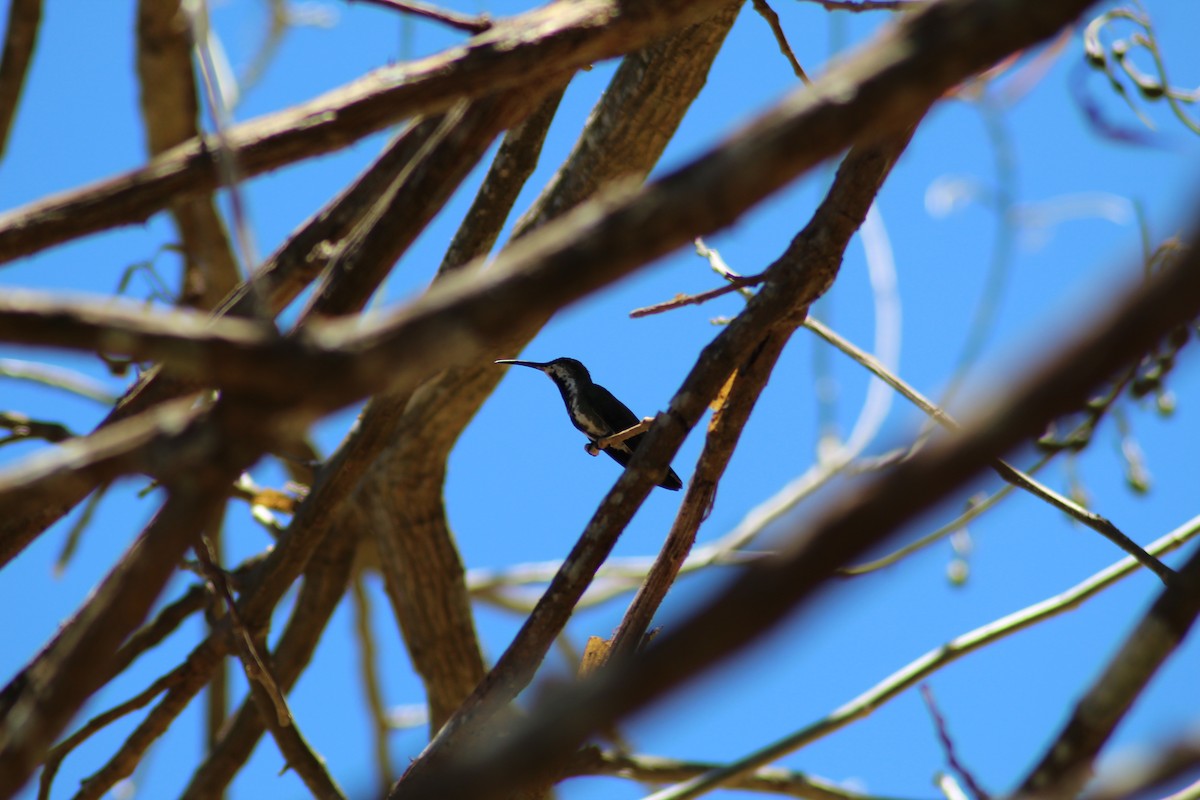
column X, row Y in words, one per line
column 766, row 12
column 947, row 742
column 367, row 658
column 734, row 284
column 57, row 377
column 227, row 159
column 1069, row 757
column 452, row 19
column 1002, row 468
column 913, row 673
column 724, row 431
column 656, row 769
column 71, row 541
column 956, row 524
column 869, row 5
column 20, row 38
column 23, row 427
column 55, row 756
column 253, row 661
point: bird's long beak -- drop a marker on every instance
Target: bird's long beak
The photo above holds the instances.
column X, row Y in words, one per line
column 533, row 364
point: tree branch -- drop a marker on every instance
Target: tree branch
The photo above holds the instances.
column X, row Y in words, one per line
column 21, row 30
column 44, row 696
column 1005, row 470
column 170, row 113
column 452, row 19
column 767, row 591
column 1067, row 763
column 655, row 769
column 525, row 50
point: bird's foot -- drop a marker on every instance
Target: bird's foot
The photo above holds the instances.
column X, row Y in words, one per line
column 595, row 447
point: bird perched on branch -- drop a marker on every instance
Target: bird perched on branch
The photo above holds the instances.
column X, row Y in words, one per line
column 594, row 411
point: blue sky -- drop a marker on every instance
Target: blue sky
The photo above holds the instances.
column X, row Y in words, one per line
column 520, row 488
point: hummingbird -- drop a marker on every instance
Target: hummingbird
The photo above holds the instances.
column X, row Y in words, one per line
column 594, row 410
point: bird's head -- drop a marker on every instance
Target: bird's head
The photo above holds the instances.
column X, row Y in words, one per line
column 565, row 370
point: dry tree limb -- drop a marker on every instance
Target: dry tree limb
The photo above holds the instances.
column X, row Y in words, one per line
column 454, row 143
column 728, row 421
column 48, row 692
column 734, row 285
column 624, row 138
column 67, row 380
column 462, row 22
column 655, row 769
column 1068, row 760
column 170, row 113
column 792, row 283
column 61, row 750
column 769, row 590
column 20, row 38
column 80, row 465
column 515, row 161
column 522, row 51
column 1004, row 469
column 918, row 670
column 764, row 10
column 814, row 257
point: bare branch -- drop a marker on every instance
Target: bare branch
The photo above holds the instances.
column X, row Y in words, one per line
column 55, row 756
column 56, row 377
column 792, row 283
column 170, row 114
column 724, row 430
column 324, row 584
column 1002, row 468
column 44, row 696
column 655, row 769
column 918, row 670
column 767, row 13
column 510, row 169
column 1067, row 763
column 24, row 19
column 453, row 19
column 766, row 592
column 368, row 655
column 735, row 284
column 870, row 5
column 526, row 50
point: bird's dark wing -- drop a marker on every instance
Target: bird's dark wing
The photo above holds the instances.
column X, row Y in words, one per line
column 620, row 418
column 615, row 413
